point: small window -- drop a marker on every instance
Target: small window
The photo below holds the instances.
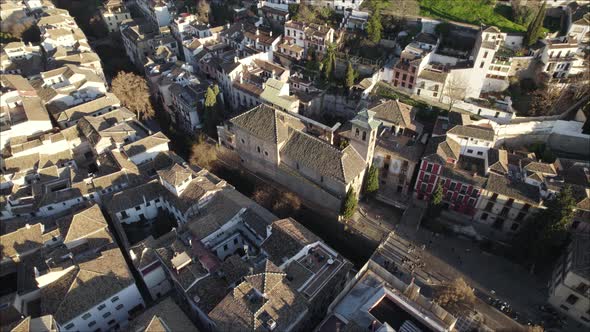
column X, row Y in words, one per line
column 92, row 323
column 429, row 168
column 224, row 247
column 102, row 306
column 115, row 299
column 469, row 151
column 236, row 241
column 112, row 321
column 106, row 314
column 69, row 326
column 86, row 316
column 484, row 216
column 514, row 226
column 119, row 306
column 258, row 149
column 572, row 299
column 137, row 208
column 479, row 153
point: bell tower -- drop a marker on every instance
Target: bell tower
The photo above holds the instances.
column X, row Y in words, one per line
column 364, row 134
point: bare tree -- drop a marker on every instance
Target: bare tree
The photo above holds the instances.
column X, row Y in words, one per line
column 545, row 101
column 133, row 92
column 455, row 296
column 454, row 90
column 281, row 202
column 286, row 204
column 202, row 11
column 203, row 154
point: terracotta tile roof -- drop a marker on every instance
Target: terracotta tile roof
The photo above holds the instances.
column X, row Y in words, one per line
column 244, row 309
column 25, row 239
column 473, row 132
column 164, row 316
column 82, row 224
column 440, row 149
column 314, row 153
column 175, row 175
column 144, row 144
column 515, row 189
column 86, row 285
column 395, row 112
column 287, row 238
column 259, row 121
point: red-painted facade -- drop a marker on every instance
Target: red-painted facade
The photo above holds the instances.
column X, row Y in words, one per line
column 460, row 197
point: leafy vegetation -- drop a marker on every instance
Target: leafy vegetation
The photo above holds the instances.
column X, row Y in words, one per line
column 535, row 28
column 372, row 184
column 545, row 233
column 542, row 152
column 471, row 11
column 349, row 76
column 213, row 112
column 329, row 63
column 350, row 204
column 374, row 27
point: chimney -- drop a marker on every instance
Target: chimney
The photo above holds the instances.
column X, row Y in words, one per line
column 270, row 33
column 257, row 32
column 236, row 59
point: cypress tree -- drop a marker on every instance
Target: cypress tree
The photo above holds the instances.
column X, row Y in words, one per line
column 372, row 180
column 349, row 76
column 349, row 206
column 534, row 29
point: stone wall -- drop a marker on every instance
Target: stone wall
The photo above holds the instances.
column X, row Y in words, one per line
column 309, row 192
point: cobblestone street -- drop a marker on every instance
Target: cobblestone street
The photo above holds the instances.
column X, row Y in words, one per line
column 449, row 257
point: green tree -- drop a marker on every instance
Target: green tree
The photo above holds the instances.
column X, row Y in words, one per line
column 5, row 38
column 534, row 28
column 374, row 27
column 546, row 231
column 350, row 203
column 372, row 184
column 443, row 29
column 330, row 62
column 349, row 76
column 437, row 196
